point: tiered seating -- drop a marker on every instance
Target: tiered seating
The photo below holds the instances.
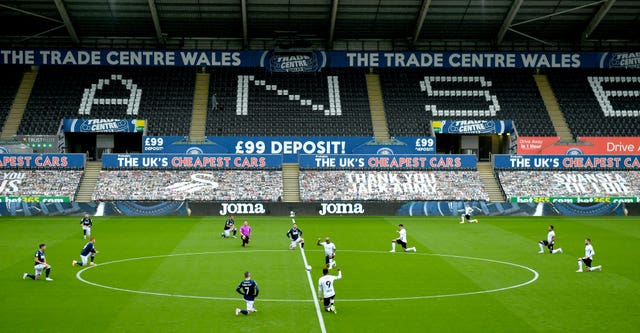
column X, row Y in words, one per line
column 9, row 83
column 412, row 98
column 570, row 183
column 218, row 185
column 165, row 97
column 338, row 185
column 598, row 102
column 252, row 102
column 40, row 182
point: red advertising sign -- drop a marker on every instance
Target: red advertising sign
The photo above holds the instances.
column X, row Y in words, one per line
column 587, row 145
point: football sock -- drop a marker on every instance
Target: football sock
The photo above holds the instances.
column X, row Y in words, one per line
column 234, row 232
column 580, row 264
column 556, row 251
column 596, row 268
column 79, row 263
column 93, row 258
column 84, row 232
column 393, row 246
column 244, row 312
column 31, row 276
column 47, row 271
column 302, row 244
column 541, row 247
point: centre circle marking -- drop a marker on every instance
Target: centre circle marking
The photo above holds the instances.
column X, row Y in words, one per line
column 487, row 291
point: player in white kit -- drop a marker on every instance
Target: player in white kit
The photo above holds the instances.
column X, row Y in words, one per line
column 329, row 252
column 326, row 293
column 549, row 242
column 468, row 210
column 402, row 240
column 589, row 252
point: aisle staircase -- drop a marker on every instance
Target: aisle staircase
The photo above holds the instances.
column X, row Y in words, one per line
column 200, row 106
column 290, row 182
column 553, row 108
column 376, row 105
column 10, row 128
column 89, row 181
column 490, row 182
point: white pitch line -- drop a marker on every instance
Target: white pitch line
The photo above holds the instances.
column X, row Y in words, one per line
column 313, row 292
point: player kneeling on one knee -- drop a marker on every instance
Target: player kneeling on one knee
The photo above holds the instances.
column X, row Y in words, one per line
column 589, row 252
column 402, row 240
column 295, row 236
column 88, row 251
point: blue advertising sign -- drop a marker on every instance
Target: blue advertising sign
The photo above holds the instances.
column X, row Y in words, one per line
column 583, row 162
column 312, row 61
column 302, row 62
column 186, row 161
column 42, row 161
column 472, row 126
column 289, row 147
column 103, row 125
column 396, row 162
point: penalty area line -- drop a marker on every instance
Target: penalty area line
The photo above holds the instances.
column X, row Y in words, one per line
column 313, row 292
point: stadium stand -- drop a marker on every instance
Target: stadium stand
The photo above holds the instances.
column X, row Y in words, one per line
column 338, row 185
column 9, row 83
column 219, row 185
column 250, row 102
column 598, row 102
column 570, row 183
column 163, row 96
column 21, row 182
column 412, row 98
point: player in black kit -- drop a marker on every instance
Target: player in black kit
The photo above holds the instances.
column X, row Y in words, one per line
column 86, row 224
column 295, row 236
column 229, row 226
column 249, row 291
column 40, row 265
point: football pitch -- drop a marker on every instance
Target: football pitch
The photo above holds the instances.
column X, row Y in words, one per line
column 176, row 274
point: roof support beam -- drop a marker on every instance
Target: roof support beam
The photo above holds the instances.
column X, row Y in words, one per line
column 67, row 21
column 515, row 7
column 332, row 24
column 597, row 18
column 245, row 33
column 156, row 21
column 559, row 13
column 30, row 13
column 421, row 16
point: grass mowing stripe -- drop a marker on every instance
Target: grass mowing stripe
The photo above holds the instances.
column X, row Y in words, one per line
column 313, row 293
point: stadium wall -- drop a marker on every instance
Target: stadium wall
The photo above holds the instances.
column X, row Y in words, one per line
column 412, row 208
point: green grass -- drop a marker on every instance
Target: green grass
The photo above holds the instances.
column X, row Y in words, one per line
column 560, row 300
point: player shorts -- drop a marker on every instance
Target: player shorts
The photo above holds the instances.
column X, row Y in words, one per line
column 250, row 307
column 327, row 300
column 328, row 257
column 467, row 217
column 39, row 268
column 547, row 244
column 587, row 262
column 226, row 232
column 403, row 244
column 84, row 259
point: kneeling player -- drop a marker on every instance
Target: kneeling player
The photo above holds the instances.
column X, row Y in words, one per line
column 229, row 226
column 468, row 210
column 549, row 242
column 325, row 289
column 329, row 252
column 40, row 264
column 89, row 250
column 402, row 240
column 589, row 252
column 295, row 236
column 249, row 291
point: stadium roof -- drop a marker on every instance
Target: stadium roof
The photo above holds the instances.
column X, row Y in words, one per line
column 326, row 24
